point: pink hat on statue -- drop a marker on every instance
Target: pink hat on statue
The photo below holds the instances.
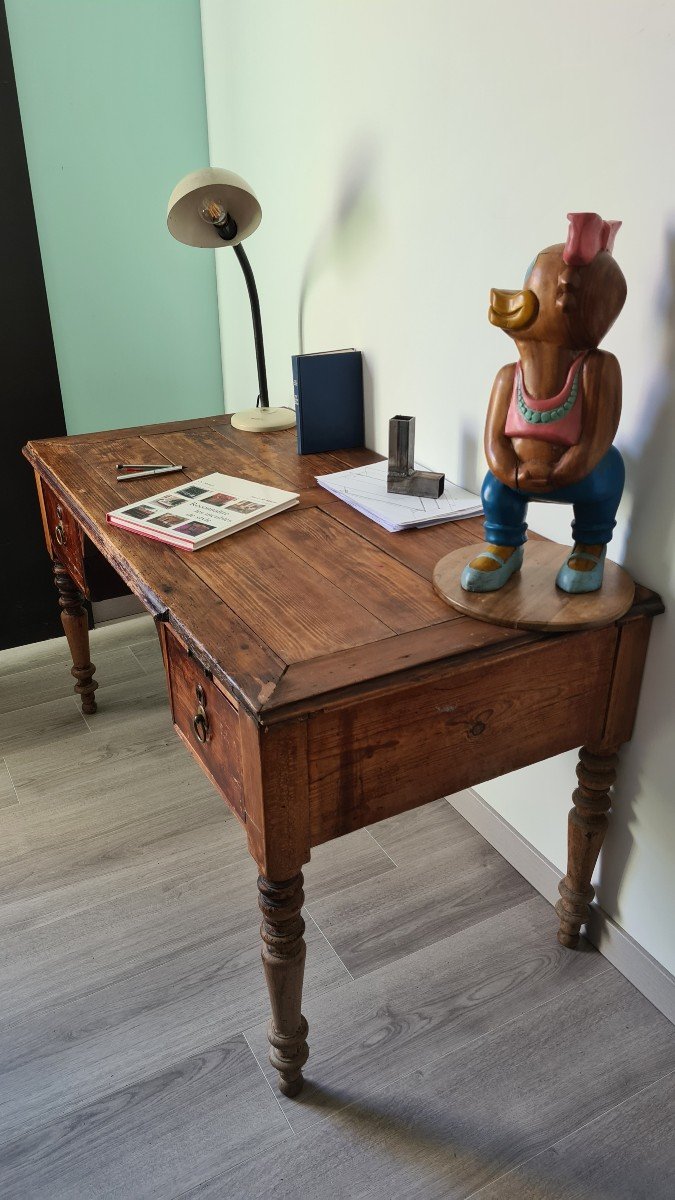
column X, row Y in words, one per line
column 588, row 235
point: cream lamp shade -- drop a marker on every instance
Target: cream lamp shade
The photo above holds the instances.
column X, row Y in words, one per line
column 184, row 217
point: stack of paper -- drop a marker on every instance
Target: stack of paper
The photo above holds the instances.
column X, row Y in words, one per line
column 365, row 488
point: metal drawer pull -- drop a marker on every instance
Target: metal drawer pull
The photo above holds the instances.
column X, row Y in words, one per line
column 200, row 724
column 60, row 534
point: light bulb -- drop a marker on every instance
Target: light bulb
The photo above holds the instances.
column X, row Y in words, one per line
column 212, row 211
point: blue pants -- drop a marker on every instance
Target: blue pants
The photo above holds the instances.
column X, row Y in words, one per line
column 595, row 500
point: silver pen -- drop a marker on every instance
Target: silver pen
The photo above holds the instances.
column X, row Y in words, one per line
column 134, row 474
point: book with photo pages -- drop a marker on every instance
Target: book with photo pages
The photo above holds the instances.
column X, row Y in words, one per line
column 195, row 514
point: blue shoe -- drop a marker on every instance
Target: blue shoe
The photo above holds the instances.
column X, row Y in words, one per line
column 575, row 582
column 474, row 580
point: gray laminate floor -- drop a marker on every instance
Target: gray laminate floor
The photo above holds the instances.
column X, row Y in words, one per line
column 456, row 1049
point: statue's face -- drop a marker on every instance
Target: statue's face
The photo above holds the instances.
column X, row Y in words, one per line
column 566, row 306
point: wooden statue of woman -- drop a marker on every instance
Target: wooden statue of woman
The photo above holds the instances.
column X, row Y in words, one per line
column 554, row 414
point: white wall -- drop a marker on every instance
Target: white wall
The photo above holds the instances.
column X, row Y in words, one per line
column 407, row 158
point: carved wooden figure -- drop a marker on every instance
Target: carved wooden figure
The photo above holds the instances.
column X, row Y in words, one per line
column 553, row 415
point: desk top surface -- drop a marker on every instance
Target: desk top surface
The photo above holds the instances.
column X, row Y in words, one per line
column 311, row 602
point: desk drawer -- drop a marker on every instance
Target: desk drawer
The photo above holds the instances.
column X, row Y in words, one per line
column 205, row 719
column 64, row 536
column 377, row 757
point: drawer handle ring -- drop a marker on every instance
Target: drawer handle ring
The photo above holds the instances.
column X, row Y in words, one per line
column 200, row 725
column 60, row 534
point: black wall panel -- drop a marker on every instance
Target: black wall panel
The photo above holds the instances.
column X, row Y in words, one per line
column 30, row 395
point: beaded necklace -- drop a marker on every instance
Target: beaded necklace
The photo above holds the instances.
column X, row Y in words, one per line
column 533, row 416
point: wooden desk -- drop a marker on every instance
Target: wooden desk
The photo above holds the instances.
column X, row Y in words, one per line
column 335, row 687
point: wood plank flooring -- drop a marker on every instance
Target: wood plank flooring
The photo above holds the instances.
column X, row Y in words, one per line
column 456, row 1049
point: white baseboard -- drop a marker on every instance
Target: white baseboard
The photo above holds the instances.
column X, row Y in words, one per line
column 113, row 610
column 617, row 946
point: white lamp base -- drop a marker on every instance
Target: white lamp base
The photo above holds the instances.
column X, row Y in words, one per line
column 263, row 420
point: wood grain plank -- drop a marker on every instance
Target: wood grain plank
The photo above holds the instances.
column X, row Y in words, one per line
column 339, row 864
column 452, row 1127
column 204, row 451
column 105, row 435
column 37, row 685
column 41, row 725
column 54, row 651
column 421, row 654
column 75, row 954
column 142, row 699
column 8, row 794
column 279, row 451
column 148, row 655
column 625, row 1154
column 387, row 589
column 428, row 1003
column 380, row 920
column 60, row 1057
column 204, row 1109
column 92, row 826
column 413, row 837
column 373, row 758
column 182, row 855
column 294, row 609
column 419, row 549
column 136, row 716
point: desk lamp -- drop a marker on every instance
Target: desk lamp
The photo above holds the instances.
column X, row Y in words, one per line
column 213, row 208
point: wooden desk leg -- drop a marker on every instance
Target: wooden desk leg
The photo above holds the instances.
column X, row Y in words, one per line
column 76, row 629
column 283, row 956
column 587, row 825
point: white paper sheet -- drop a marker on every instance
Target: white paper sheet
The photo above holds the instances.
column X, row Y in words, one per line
column 365, row 489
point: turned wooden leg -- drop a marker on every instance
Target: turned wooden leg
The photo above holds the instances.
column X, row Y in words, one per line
column 587, row 825
column 76, row 629
column 283, row 955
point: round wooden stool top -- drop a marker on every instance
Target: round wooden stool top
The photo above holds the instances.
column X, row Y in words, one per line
column 530, row 599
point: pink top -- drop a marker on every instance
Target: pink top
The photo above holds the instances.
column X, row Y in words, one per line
column 557, row 419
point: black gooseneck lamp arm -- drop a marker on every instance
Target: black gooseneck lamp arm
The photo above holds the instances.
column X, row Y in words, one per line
column 228, row 230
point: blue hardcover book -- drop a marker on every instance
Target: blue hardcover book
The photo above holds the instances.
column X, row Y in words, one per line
column 328, row 390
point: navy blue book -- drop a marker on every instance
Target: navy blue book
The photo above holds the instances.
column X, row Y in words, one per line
column 328, row 392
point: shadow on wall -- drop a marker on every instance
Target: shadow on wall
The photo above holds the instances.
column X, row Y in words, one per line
column 348, row 232
column 471, row 465
column 650, row 554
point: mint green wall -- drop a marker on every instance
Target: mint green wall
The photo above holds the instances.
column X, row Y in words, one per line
column 113, row 110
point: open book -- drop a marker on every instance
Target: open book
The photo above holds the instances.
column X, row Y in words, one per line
column 195, row 514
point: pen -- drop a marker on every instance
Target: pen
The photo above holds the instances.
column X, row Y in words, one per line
column 146, row 466
column 150, row 472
